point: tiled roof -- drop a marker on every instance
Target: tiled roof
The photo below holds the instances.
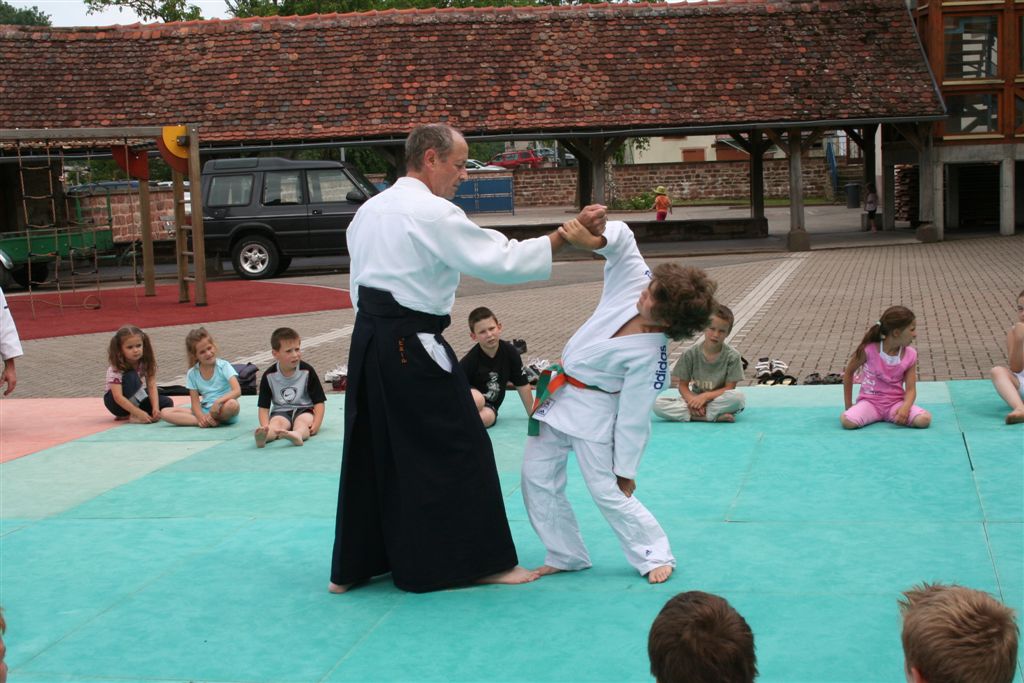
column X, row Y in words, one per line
column 488, row 70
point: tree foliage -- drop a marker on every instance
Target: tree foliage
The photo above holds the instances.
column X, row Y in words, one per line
column 150, row 10
column 22, row 16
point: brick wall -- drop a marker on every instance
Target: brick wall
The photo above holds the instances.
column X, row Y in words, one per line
column 124, row 212
column 696, row 180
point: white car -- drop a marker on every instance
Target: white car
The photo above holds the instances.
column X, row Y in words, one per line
column 474, row 166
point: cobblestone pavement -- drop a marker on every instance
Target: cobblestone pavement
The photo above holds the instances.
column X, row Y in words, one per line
column 809, row 309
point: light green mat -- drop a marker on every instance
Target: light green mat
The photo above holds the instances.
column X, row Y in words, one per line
column 155, row 553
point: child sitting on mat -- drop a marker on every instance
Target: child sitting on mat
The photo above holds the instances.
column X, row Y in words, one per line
column 212, row 384
column 707, row 375
column 291, row 400
column 490, row 365
column 1009, row 382
column 599, row 402
column 131, row 378
column 887, row 366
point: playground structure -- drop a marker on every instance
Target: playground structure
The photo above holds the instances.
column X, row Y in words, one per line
column 54, row 227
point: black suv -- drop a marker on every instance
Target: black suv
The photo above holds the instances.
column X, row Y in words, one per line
column 264, row 211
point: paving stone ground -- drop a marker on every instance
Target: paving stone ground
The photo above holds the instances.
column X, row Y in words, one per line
column 818, row 306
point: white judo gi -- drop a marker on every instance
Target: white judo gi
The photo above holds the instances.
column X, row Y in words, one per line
column 608, row 428
column 10, row 344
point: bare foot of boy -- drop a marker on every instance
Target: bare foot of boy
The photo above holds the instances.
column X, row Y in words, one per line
column 659, row 574
column 293, row 437
column 261, row 436
column 547, row 570
column 512, row 576
column 1015, row 417
column 337, row 587
column 139, row 420
column 726, row 417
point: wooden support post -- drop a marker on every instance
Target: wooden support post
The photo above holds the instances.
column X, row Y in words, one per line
column 870, row 133
column 756, row 176
column 146, row 228
column 180, row 235
column 797, row 240
column 195, row 178
column 597, row 160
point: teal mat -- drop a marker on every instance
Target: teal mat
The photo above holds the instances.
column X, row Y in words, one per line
column 148, row 553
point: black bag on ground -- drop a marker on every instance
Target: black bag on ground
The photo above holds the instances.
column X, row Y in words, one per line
column 248, row 378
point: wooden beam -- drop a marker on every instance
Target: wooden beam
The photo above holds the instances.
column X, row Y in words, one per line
column 855, row 136
column 146, row 228
column 811, row 139
column 911, row 134
column 743, row 142
column 180, row 235
column 195, row 188
column 774, row 136
column 72, row 134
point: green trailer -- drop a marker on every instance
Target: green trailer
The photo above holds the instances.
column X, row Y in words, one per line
column 25, row 256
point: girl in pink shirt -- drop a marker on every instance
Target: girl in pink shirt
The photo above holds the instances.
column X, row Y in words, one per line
column 887, row 366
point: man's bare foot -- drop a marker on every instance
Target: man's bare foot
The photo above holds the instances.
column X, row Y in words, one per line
column 726, row 417
column 293, row 437
column 546, row 570
column 138, row 420
column 337, row 587
column 121, row 418
column 512, row 576
column 261, row 438
column 1015, row 417
column 659, row 574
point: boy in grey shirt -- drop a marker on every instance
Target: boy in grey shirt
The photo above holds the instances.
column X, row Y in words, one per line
column 291, row 399
column 707, row 376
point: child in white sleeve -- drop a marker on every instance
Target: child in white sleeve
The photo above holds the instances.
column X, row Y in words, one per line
column 598, row 402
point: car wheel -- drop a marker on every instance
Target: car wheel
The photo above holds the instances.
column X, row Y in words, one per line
column 282, row 264
column 255, row 257
column 36, row 275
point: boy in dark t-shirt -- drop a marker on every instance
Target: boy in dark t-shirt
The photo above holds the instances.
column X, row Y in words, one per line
column 291, row 399
column 491, row 365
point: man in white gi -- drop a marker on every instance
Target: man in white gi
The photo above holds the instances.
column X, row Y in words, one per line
column 10, row 346
column 419, row 494
column 597, row 403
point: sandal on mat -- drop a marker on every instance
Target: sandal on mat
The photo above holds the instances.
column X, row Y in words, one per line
column 787, row 380
column 833, row 378
column 813, row 378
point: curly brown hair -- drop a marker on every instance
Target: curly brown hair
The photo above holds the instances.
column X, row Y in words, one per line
column 684, row 299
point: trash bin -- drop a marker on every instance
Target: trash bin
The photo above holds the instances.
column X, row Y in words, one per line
column 852, row 195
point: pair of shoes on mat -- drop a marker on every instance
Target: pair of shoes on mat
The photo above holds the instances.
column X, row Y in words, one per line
column 772, row 371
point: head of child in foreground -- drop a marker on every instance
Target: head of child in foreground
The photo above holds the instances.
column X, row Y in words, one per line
column 286, row 346
column 679, row 298
column 484, row 329
column 699, row 638
column 200, row 347
column 953, row 634
column 719, row 327
column 897, row 325
column 128, row 347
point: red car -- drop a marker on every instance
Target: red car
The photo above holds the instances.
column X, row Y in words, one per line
column 516, row 158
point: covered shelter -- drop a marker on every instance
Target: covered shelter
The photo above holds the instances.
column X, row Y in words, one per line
column 591, row 76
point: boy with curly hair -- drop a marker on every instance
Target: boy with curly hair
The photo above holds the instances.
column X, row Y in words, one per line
column 597, row 403
column 953, row 634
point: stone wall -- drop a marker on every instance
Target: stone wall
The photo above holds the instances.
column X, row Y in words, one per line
column 693, row 180
column 124, row 212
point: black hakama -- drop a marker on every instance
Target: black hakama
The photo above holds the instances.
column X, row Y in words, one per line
column 419, row 493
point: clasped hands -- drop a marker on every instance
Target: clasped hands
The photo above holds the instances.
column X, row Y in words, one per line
column 586, row 230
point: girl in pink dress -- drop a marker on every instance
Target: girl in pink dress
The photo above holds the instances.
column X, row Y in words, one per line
column 887, row 369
